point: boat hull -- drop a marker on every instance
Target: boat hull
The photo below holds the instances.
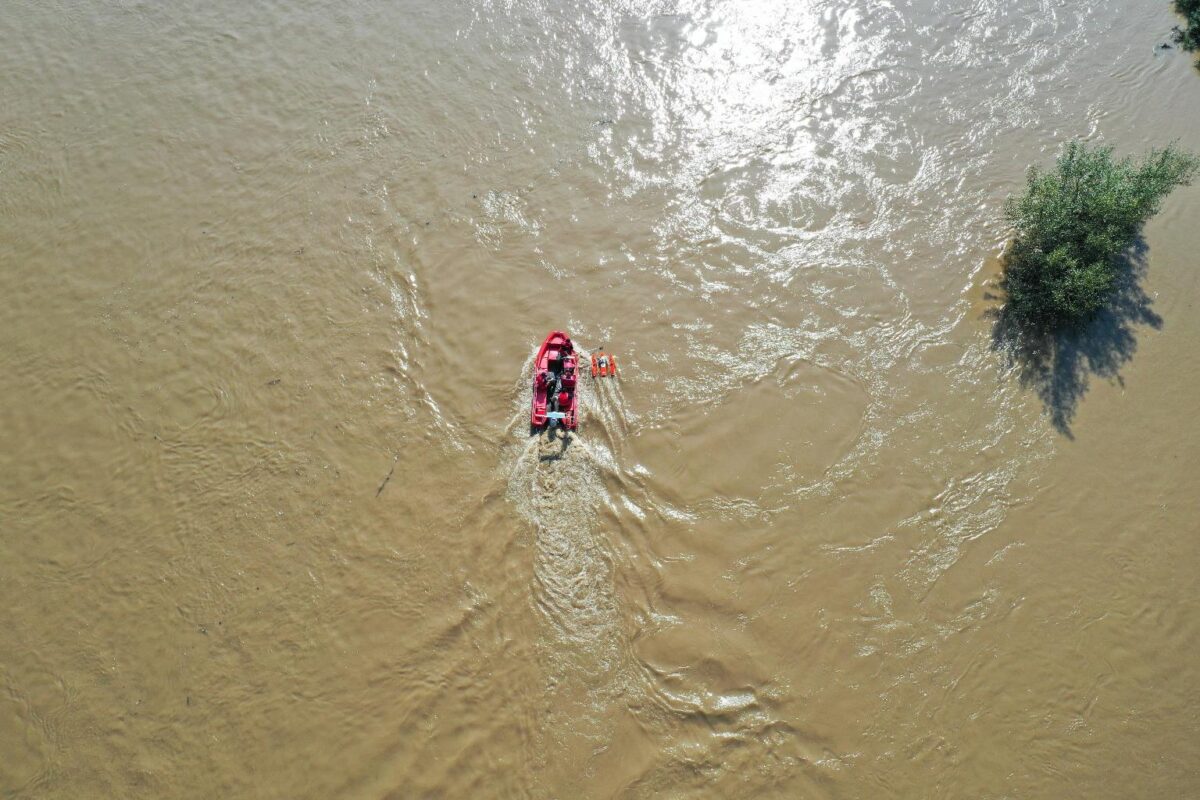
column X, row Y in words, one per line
column 556, row 357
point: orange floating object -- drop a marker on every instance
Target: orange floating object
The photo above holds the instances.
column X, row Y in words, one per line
column 604, row 364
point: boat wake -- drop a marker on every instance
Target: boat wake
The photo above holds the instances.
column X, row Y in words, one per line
column 569, row 487
column 560, row 483
column 557, row 482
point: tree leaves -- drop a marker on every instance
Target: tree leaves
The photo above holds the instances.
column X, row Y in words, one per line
column 1189, row 37
column 1074, row 221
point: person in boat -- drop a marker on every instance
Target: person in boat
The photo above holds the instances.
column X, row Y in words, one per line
column 552, row 382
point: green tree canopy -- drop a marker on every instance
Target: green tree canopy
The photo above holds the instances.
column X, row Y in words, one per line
column 1074, row 222
column 1188, row 36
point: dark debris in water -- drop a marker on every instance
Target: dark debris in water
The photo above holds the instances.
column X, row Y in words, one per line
column 379, row 491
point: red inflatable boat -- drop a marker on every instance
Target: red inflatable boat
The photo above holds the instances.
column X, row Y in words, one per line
column 555, row 371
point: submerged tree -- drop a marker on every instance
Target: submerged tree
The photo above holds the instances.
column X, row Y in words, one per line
column 1188, row 37
column 1072, row 225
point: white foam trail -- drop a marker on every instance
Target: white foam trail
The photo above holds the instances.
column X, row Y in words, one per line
column 557, row 482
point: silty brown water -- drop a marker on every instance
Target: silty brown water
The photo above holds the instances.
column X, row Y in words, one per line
column 273, row 525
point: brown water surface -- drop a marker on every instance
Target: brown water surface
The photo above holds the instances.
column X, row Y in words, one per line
column 272, row 275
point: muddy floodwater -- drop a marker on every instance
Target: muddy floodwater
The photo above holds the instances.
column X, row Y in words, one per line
column 272, row 523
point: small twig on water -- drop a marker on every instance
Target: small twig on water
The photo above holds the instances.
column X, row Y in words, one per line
column 379, row 491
